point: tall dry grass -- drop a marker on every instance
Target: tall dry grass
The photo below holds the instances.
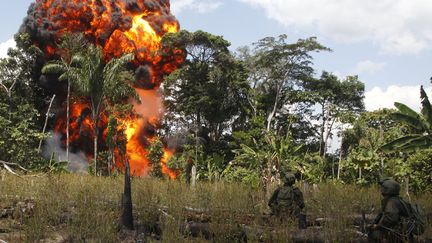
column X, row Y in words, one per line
column 87, row 209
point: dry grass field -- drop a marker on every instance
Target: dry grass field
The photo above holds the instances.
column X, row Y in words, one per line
column 73, row 208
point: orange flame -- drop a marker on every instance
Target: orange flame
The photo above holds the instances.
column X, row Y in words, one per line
column 165, row 158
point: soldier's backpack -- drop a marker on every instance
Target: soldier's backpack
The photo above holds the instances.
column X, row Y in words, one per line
column 285, row 196
column 416, row 220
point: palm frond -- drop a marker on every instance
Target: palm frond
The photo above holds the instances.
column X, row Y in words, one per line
column 416, row 122
column 54, row 68
column 404, row 109
column 424, row 142
column 115, row 79
column 80, row 81
column 114, row 67
column 426, row 106
column 64, row 77
column 399, row 143
column 77, row 61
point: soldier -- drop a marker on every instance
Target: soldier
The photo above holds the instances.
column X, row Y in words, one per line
column 388, row 225
column 287, row 201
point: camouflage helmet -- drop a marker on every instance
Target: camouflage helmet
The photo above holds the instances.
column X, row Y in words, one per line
column 288, row 178
column 389, row 187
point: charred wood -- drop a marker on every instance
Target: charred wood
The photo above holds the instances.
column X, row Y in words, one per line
column 127, row 216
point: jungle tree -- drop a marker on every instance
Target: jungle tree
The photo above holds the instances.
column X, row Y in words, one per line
column 92, row 77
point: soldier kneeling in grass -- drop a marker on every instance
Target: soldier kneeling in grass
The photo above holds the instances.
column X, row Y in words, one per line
column 388, row 225
column 287, row 201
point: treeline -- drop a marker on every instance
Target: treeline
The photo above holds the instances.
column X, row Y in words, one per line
column 237, row 116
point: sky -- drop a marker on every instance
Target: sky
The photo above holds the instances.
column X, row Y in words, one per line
column 387, row 43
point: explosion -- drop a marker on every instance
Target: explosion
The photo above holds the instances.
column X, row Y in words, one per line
column 117, row 27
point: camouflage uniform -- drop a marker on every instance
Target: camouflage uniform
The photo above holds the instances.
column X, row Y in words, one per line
column 388, row 224
column 287, row 200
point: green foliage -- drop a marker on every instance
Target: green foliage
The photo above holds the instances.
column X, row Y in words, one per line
column 248, row 117
column 20, row 131
column 280, row 68
column 243, row 175
column 208, row 90
column 93, row 78
column 190, row 153
column 19, row 136
column 253, row 133
column 212, row 167
column 155, row 156
column 419, row 171
column 265, row 157
column 313, row 168
column 115, row 137
column 338, row 100
column 55, row 167
column 105, row 160
column 365, row 162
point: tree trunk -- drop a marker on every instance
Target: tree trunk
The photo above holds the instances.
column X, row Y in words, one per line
column 333, row 169
column 382, row 157
column 322, row 130
column 269, row 119
column 188, row 171
column 273, row 112
column 198, row 121
column 95, row 144
column 9, row 94
column 407, row 189
column 193, row 176
column 46, row 122
column 252, row 106
column 112, row 163
column 127, row 215
column 330, row 128
column 67, row 121
column 340, row 159
column 95, row 141
column 96, row 108
column 95, row 117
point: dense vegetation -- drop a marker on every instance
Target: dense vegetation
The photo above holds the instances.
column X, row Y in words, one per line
column 237, row 119
column 241, row 116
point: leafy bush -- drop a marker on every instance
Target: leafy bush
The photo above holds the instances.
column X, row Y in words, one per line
column 420, row 170
column 19, row 136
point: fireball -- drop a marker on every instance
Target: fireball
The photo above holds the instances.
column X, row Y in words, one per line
column 117, row 27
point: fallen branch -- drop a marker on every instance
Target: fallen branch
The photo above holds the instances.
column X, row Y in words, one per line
column 14, row 164
column 10, row 170
column 166, row 214
column 7, row 166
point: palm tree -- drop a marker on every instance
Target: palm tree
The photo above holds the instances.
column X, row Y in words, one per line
column 95, row 79
column 70, row 45
column 420, row 124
